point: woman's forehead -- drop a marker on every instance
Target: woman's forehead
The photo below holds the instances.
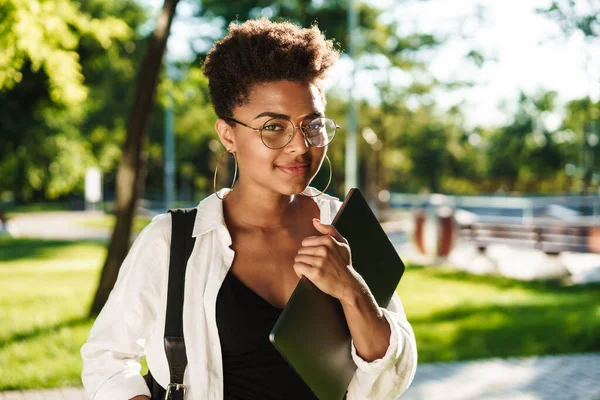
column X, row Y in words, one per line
column 285, row 97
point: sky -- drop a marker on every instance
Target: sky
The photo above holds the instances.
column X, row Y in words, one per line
column 531, row 53
column 524, row 51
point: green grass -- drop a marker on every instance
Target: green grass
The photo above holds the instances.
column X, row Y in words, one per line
column 457, row 316
column 47, row 287
column 46, row 291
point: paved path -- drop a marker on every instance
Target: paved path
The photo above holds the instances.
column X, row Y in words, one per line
column 60, row 225
column 567, row 377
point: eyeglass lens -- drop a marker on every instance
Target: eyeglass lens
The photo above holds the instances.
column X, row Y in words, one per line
column 277, row 133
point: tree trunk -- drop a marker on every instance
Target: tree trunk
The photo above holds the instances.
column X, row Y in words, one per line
column 131, row 172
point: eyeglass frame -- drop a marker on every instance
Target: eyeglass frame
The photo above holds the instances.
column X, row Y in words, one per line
column 259, row 130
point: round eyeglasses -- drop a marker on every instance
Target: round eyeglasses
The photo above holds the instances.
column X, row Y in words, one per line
column 277, row 133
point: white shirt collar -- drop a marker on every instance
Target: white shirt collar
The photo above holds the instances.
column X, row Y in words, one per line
column 210, row 210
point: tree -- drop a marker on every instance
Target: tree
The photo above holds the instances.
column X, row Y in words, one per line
column 43, row 153
column 196, row 143
column 571, row 15
column 583, row 116
column 46, row 34
column 582, row 17
column 131, row 172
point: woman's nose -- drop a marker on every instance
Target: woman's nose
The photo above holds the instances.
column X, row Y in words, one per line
column 298, row 142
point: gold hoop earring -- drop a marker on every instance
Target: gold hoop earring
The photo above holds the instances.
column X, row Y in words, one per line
column 217, row 169
column 328, row 183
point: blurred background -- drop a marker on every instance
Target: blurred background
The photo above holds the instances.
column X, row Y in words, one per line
column 472, row 127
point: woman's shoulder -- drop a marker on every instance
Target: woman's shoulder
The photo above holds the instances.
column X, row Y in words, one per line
column 158, row 231
column 160, row 227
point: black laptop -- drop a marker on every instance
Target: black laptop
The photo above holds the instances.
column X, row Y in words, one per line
column 311, row 333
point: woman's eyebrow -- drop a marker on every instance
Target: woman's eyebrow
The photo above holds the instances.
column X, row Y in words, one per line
column 316, row 114
column 272, row 115
column 285, row 116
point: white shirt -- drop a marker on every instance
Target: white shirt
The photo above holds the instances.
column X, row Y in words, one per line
column 132, row 322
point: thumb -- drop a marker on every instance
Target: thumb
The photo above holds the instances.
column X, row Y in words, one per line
column 327, row 229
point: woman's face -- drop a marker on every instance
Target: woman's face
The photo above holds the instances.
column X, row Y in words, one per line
column 290, row 169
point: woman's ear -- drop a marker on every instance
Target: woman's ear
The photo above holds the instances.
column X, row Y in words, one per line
column 226, row 135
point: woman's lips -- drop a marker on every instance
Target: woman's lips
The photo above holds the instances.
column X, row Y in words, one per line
column 295, row 169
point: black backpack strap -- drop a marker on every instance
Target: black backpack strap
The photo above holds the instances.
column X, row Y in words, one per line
column 182, row 244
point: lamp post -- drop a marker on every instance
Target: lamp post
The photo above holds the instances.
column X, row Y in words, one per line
column 351, row 160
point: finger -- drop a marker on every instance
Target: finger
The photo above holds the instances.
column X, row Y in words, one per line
column 314, row 261
column 318, row 250
column 302, row 269
column 314, row 241
column 328, row 230
column 315, row 275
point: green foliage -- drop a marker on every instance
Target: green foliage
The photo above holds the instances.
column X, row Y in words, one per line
column 574, row 16
column 51, row 134
column 56, row 123
column 46, row 34
column 582, row 130
column 417, row 148
column 583, row 119
column 374, row 36
column 524, row 156
column 330, row 15
column 196, row 142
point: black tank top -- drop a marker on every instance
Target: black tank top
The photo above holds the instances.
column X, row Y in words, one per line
column 252, row 368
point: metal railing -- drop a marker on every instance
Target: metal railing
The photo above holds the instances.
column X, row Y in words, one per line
column 511, row 209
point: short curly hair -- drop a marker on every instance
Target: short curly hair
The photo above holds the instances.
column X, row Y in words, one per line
column 259, row 51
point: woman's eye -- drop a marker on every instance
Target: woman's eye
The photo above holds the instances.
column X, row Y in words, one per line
column 273, row 128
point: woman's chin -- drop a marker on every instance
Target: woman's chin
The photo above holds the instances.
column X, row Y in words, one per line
column 290, row 189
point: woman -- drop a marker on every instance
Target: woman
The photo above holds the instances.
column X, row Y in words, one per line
column 253, row 243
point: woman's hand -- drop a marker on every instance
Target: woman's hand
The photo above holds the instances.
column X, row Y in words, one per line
column 327, row 262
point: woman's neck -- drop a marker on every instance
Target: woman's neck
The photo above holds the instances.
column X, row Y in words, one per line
column 253, row 207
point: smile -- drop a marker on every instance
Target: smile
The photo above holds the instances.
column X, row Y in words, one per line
column 295, row 170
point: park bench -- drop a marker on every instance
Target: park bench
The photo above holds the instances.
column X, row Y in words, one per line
column 551, row 237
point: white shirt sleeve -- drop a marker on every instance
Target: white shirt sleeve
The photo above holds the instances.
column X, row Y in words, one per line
column 112, row 353
column 388, row 377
